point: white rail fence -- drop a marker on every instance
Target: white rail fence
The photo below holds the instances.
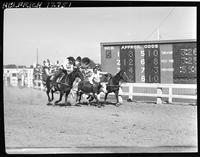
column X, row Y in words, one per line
column 159, row 91
column 159, row 88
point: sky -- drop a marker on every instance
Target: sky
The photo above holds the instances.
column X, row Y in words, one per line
column 61, row 32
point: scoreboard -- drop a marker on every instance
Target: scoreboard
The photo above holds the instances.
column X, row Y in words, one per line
column 151, row 61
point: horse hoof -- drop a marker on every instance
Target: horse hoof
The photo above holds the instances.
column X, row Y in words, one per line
column 49, row 103
column 77, row 105
column 118, row 104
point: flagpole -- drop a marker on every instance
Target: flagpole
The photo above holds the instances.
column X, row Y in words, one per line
column 37, row 56
column 158, row 34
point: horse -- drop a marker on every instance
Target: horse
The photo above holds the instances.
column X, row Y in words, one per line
column 104, row 80
column 85, row 87
column 52, row 87
column 113, row 85
column 65, row 85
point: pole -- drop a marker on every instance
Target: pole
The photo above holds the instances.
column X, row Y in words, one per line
column 158, row 34
column 37, row 56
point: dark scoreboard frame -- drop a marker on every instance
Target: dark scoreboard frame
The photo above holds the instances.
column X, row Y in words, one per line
column 151, row 61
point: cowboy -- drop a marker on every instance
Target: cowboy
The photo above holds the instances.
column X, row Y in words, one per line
column 66, row 68
column 78, row 62
column 85, row 68
column 95, row 78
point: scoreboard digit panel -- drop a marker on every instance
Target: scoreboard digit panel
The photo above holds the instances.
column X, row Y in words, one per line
column 127, row 61
column 185, row 56
column 152, row 63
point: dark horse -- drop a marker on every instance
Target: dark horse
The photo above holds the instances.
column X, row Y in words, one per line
column 113, row 84
column 64, row 86
column 85, row 87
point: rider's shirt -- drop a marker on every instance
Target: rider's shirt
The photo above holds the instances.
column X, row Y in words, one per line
column 96, row 76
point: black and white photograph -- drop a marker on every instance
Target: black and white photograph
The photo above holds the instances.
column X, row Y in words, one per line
column 99, row 79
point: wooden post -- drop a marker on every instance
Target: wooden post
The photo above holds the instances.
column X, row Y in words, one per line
column 130, row 96
column 170, row 95
column 159, row 97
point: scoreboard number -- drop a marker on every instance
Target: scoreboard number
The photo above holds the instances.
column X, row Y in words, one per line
column 155, row 53
column 142, row 53
column 143, row 78
column 130, row 61
column 118, row 62
column 143, row 68
column 142, row 61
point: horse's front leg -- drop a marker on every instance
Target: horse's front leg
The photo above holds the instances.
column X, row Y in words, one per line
column 66, row 96
column 52, row 96
column 61, row 95
column 48, row 90
column 116, row 95
column 98, row 104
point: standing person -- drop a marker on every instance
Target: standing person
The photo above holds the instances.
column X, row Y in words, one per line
column 57, row 65
column 46, row 67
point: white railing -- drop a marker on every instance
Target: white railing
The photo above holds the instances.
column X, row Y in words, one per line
column 159, row 91
column 159, row 88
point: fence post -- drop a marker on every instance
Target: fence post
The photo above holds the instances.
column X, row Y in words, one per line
column 159, row 95
column 170, row 95
column 130, row 96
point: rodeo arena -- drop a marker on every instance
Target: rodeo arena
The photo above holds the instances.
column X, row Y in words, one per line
column 142, row 97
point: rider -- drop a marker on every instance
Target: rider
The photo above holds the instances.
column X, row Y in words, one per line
column 66, row 68
column 85, row 67
column 95, row 78
column 78, row 62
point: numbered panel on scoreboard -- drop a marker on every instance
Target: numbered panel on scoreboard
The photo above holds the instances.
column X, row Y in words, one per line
column 127, row 61
column 152, row 63
column 185, row 60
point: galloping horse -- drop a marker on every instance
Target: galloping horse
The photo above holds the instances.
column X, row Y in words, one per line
column 113, row 85
column 85, row 87
column 65, row 85
column 52, row 87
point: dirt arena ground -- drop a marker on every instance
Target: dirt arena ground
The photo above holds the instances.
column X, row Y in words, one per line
column 132, row 127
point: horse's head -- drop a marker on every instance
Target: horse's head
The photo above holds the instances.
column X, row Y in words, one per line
column 123, row 76
column 78, row 73
column 105, row 77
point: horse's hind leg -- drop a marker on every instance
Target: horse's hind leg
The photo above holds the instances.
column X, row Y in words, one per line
column 116, row 95
column 98, row 104
column 52, row 96
column 79, row 95
column 106, row 95
column 61, row 95
column 48, row 90
column 66, row 96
